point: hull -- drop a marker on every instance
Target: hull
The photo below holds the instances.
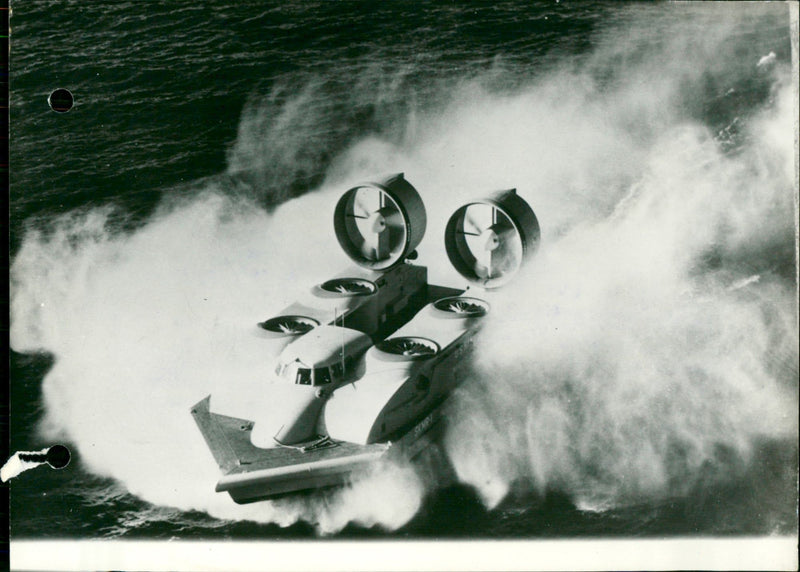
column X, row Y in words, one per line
column 253, row 474
column 389, row 346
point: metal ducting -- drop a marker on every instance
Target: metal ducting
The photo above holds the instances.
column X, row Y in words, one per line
column 488, row 240
column 380, row 224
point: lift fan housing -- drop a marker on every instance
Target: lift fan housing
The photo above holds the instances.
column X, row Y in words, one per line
column 346, row 287
column 406, row 348
column 460, row 307
column 289, row 325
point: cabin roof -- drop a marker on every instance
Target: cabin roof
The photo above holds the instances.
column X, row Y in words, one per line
column 322, row 346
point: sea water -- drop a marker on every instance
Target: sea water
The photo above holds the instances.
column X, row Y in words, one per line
column 639, row 378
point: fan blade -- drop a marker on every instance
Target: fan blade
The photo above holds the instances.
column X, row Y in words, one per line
column 363, row 211
column 479, row 217
column 364, row 199
column 293, row 327
column 394, row 222
column 369, row 247
column 372, row 225
column 410, row 347
column 384, row 245
column 461, row 307
column 395, row 230
column 475, row 229
column 489, row 239
column 476, row 243
column 391, row 228
column 508, row 253
column 377, row 241
column 483, row 263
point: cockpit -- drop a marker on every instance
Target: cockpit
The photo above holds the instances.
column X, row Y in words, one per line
column 324, row 355
column 301, row 374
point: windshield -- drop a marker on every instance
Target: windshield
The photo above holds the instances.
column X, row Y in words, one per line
column 322, row 376
column 306, row 376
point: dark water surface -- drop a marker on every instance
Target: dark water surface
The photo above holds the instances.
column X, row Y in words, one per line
column 651, row 124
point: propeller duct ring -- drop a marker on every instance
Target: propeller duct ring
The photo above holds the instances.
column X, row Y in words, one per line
column 460, row 307
column 345, row 287
column 289, row 325
column 489, row 239
column 406, row 348
column 379, row 225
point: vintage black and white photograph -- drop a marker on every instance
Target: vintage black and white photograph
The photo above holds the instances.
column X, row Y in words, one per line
column 404, row 273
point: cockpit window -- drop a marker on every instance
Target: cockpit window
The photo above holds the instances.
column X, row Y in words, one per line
column 303, row 376
column 322, row 376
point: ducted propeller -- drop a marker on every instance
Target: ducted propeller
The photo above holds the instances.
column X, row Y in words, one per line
column 380, row 224
column 487, row 240
column 407, row 348
column 492, row 239
column 349, row 287
column 461, row 307
column 291, row 325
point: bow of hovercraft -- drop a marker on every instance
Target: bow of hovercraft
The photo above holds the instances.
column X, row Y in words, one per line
column 368, row 359
column 253, row 473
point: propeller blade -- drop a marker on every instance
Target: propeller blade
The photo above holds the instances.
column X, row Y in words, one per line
column 482, row 240
column 392, row 228
column 508, row 253
column 479, row 217
column 364, row 199
column 394, row 222
column 395, row 230
column 384, row 245
column 490, row 239
column 294, row 326
column 370, row 246
column 377, row 241
column 380, row 224
column 475, row 229
column 363, row 211
column 483, row 264
column 462, row 307
column 411, row 347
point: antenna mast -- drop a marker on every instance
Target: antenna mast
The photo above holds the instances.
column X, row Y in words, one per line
column 342, row 344
column 335, row 320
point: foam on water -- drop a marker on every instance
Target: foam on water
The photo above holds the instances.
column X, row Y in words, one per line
column 145, row 325
column 621, row 365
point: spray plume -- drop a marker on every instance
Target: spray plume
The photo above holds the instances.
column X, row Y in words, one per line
column 624, row 362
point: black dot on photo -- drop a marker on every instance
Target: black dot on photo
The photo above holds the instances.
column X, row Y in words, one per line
column 58, row 456
column 60, row 100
